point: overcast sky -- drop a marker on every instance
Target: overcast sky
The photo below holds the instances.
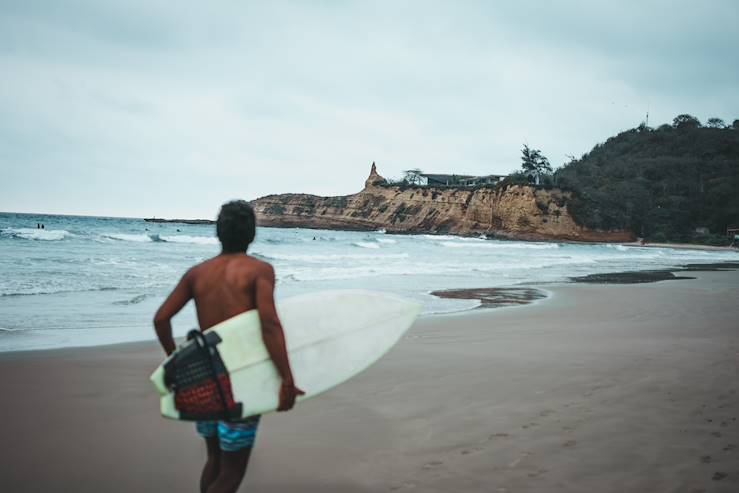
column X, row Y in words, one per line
column 141, row 108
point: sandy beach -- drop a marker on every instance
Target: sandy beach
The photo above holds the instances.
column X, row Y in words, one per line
column 598, row 388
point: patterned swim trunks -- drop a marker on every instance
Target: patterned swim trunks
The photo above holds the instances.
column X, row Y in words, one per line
column 232, row 435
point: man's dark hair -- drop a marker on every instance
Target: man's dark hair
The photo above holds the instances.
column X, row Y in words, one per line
column 236, row 226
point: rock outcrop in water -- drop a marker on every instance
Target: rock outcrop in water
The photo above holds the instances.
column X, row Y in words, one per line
column 180, row 221
column 517, row 212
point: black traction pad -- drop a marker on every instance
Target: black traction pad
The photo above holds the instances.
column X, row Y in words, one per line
column 190, row 376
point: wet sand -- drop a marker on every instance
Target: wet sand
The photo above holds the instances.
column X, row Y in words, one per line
column 494, row 297
column 644, row 276
column 681, row 246
column 599, row 388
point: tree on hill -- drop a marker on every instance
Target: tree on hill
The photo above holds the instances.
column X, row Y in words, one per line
column 412, row 176
column 534, row 163
column 715, row 123
column 663, row 183
column 686, row 121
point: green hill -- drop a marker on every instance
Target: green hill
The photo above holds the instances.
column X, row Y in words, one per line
column 661, row 183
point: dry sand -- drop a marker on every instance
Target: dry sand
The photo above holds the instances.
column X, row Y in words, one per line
column 596, row 389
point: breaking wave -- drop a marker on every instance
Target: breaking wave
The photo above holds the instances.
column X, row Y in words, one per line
column 133, row 301
column 197, row 240
column 499, row 244
column 366, row 244
column 330, row 257
column 6, row 331
column 155, row 238
column 36, row 234
column 140, row 238
column 34, row 292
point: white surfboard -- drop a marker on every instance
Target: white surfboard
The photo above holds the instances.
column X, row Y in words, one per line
column 331, row 336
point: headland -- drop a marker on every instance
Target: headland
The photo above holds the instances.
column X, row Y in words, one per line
column 518, row 212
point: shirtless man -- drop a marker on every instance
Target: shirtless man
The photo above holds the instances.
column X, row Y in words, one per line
column 224, row 286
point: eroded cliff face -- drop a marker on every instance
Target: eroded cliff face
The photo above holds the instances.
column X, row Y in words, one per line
column 517, row 212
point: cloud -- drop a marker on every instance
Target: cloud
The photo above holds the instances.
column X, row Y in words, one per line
column 140, row 108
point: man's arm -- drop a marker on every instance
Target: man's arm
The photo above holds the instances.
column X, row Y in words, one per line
column 171, row 306
column 274, row 337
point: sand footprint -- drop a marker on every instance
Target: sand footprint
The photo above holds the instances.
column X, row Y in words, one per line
column 518, row 460
column 405, row 485
column 433, row 464
column 538, row 473
column 480, row 448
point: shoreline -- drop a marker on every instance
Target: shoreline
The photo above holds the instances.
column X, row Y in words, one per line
column 682, row 246
column 601, row 388
column 528, row 293
column 493, row 298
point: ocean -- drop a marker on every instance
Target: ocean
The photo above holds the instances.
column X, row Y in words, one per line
column 85, row 281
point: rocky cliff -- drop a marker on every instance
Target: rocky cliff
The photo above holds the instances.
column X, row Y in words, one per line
column 519, row 212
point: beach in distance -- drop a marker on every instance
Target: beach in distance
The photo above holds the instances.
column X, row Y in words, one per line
column 606, row 388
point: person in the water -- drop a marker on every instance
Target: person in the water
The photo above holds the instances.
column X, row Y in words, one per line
column 222, row 287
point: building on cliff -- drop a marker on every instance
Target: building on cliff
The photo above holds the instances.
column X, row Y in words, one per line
column 436, row 180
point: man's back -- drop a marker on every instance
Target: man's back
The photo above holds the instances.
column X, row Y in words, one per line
column 225, row 286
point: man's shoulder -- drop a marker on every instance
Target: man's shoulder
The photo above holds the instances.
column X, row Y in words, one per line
column 196, row 270
column 259, row 265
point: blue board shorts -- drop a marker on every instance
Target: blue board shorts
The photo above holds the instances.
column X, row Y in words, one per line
column 232, row 435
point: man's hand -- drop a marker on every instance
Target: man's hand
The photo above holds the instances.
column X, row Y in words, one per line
column 288, row 393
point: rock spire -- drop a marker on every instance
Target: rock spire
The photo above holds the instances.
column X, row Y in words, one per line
column 374, row 178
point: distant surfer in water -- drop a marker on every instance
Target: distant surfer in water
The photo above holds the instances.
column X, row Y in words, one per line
column 222, row 287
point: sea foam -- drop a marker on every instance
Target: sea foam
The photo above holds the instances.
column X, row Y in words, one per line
column 499, row 245
column 197, row 240
column 140, row 238
column 366, row 244
column 331, row 257
column 36, row 234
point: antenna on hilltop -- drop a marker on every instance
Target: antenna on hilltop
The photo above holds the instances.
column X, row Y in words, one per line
column 647, row 122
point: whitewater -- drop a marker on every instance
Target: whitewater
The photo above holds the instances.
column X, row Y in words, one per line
column 84, row 281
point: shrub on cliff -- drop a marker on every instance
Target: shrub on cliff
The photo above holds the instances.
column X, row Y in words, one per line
column 661, row 183
column 517, row 178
